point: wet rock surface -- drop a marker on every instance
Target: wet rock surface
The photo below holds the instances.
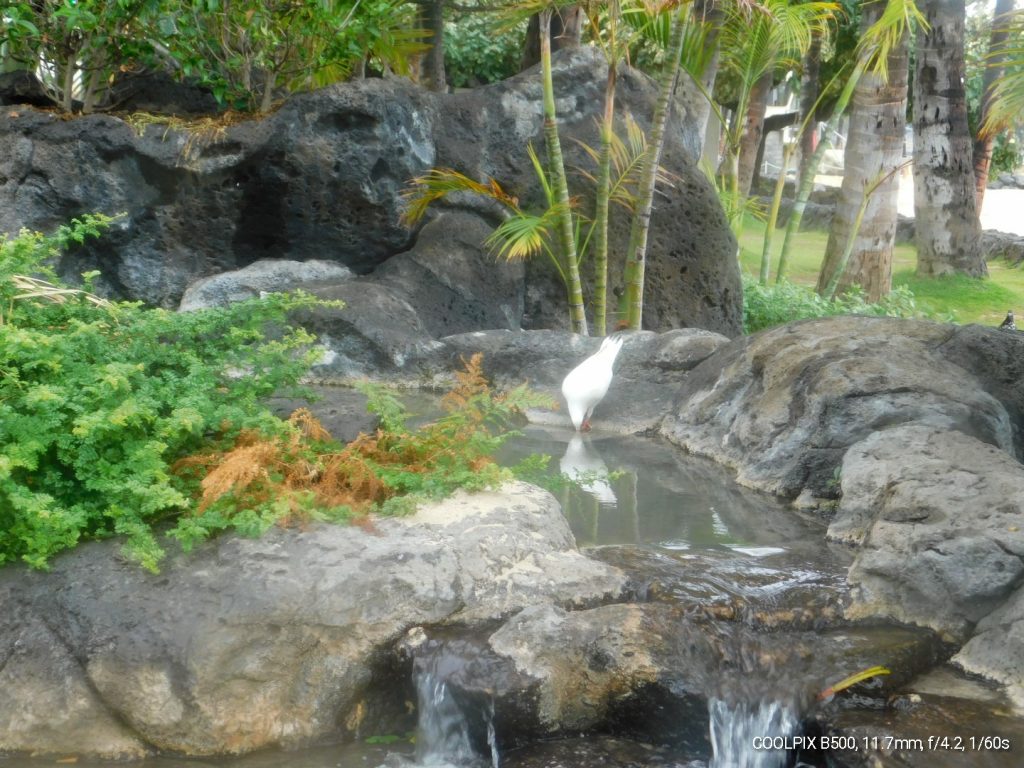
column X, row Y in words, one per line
column 251, row 643
column 939, row 720
column 783, row 406
column 936, row 518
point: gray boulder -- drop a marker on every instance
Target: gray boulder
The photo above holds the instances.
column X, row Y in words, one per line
column 996, row 648
column 251, row 643
column 322, row 177
column 262, row 276
column 935, row 516
column 783, row 406
column 455, row 285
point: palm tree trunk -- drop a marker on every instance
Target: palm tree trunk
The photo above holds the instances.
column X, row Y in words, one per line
column 983, row 141
column 604, row 175
column 566, row 30
column 709, row 13
column 809, row 98
column 556, row 168
column 945, row 208
column 637, row 250
column 874, row 148
column 803, row 193
column 753, row 129
column 432, row 75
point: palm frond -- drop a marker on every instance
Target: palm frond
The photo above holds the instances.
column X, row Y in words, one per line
column 1007, row 104
column 438, row 183
column 524, row 235
column 897, row 19
column 542, row 176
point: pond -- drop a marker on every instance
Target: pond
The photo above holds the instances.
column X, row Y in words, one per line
column 753, row 580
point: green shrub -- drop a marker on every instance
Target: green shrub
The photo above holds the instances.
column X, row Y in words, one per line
column 97, row 400
column 115, row 419
column 478, row 51
column 765, row 306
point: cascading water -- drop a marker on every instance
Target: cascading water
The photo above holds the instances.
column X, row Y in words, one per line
column 742, row 733
column 443, row 731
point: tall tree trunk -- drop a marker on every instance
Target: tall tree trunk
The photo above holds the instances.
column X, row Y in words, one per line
column 947, row 230
column 874, row 148
column 432, row 75
column 753, row 129
column 636, row 252
column 566, row 31
column 556, row 170
column 709, row 13
column 983, row 143
column 809, row 97
column 604, row 180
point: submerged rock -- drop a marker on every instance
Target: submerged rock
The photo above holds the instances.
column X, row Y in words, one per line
column 248, row 643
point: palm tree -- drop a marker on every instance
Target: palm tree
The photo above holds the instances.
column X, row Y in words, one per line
column 636, row 251
column 945, row 207
column 864, row 226
column 560, row 187
column 754, row 41
column 613, row 51
column 999, row 43
column 1007, row 104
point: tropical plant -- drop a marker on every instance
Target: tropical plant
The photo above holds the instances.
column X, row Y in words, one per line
column 261, row 478
column 862, row 235
column 479, row 49
column 636, row 250
column 245, row 50
column 755, row 40
column 1004, row 94
column 985, row 137
column 97, row 400
column 559, row 191
column 881, row 49
column 766, row 306
column 78, row 46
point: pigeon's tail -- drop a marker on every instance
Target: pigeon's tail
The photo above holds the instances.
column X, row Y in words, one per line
column 612, row 345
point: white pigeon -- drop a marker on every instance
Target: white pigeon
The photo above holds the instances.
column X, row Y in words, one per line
column 587, row 383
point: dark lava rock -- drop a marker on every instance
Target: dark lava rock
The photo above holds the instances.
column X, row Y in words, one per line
column 321, row 178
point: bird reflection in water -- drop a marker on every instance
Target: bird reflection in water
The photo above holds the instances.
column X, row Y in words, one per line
column 587, row 469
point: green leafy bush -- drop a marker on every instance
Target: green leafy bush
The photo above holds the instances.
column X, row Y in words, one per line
column 115, row 419
column 765, row 306
column 478, row 50
column 305, row 473
column 97, row 400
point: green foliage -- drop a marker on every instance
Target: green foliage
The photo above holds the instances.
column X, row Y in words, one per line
column 765, row 306
column 245, row 49
column 81, row 44
column 478, row 51
column 97, row 400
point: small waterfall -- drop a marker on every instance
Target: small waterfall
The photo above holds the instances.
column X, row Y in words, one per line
column 750, row 735
column 443, row 732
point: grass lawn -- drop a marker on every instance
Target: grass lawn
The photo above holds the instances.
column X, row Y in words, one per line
column 957, row 299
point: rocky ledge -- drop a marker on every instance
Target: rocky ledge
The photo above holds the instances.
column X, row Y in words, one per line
column 249, row 643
